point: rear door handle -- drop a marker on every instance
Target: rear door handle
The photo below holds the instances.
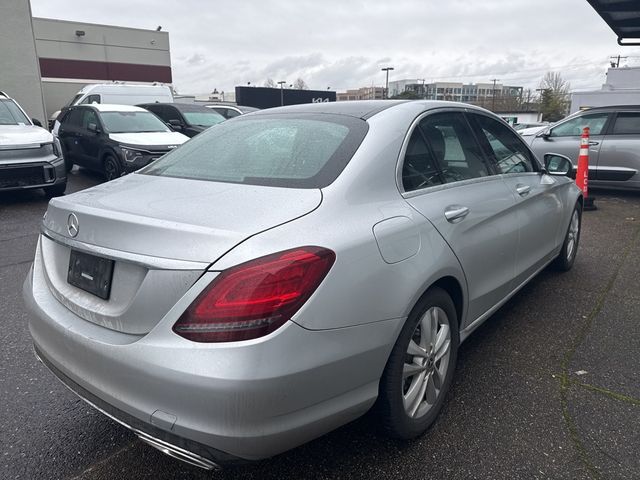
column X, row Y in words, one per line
column 593, row 143
column 523, row 190
column 455, row 213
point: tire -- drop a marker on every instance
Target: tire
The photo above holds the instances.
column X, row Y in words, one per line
column 565, row 260
column 55, row 190
column 112, row 168
column 68, row 164
column 396, row 390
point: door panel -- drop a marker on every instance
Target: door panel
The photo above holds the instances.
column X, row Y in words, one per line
column 447, row 179
column 485, row 240
column 619, row 160
column 537, row 197
column 564, row 139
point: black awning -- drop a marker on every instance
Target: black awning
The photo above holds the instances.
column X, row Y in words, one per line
column 623, row 16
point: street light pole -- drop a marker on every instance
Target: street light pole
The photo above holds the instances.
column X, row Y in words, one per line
column 386, row 89
column 493, row 96
column 281, row 83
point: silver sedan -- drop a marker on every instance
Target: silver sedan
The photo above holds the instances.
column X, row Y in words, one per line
column 283, row 272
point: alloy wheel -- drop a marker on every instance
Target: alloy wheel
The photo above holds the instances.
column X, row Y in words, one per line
column 426, row 362
column 572, row 235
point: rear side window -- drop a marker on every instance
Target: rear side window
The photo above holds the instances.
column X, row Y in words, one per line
column 503, row 146
column 573, row 127
column 420, row 169
column 627, row 123
column 302, row 151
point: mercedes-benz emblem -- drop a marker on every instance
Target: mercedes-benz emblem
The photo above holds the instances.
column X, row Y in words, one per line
column 73, row 227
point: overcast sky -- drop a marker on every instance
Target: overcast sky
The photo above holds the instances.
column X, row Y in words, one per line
column 343, row 43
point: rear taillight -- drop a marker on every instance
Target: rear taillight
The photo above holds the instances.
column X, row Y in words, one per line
column 255, row 298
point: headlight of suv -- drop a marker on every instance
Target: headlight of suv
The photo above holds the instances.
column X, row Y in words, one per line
column 52, row 148
column 131, row 155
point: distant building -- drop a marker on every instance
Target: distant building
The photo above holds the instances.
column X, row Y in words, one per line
column 44, row 62
column 363, row 93
column 478, row 93
column 622, row 87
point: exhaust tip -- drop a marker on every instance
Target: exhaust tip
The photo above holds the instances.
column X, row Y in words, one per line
column 178, row 453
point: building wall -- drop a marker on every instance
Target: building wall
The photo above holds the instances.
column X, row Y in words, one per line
column 73, row 54
column 19, row 72
column 622, row 87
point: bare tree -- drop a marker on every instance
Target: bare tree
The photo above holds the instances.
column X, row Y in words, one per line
column 270, row 83
column 300, row 84
column 554, row 101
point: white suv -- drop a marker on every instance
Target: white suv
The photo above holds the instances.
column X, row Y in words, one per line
column 30, row 157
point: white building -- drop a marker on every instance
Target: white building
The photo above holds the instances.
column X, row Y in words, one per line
column 622, row 87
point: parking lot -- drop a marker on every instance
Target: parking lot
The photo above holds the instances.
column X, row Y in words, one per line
column 549, row 387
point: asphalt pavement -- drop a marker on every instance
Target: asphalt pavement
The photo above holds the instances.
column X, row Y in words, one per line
column 549, row 387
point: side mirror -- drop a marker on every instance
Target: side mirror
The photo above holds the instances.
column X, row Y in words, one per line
column 92, row 127
column 175, row 124
column 545, row 134
column 36, row 122
column 557, row 165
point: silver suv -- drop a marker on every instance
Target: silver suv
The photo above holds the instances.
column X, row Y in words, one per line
column 614, row 144
column 30, row 157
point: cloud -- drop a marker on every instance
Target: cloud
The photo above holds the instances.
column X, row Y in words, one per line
column 343, row 45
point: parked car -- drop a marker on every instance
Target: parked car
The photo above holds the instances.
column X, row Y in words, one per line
column 187, row 118
column 521, row 126
column 229, row 111
column 117, row 94
column 614, row 144
column 30, row 157
column 279, row 274
column 114, row 139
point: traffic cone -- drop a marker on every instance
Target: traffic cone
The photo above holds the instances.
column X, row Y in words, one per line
column 582, row 177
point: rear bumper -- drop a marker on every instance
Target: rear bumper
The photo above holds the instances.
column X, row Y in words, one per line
column 222, row 402
column 188, row 451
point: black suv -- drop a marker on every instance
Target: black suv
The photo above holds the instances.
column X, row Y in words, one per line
column 114, row 139
column 185, row 118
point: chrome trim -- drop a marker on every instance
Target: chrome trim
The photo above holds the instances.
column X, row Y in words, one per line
column 445, row 186
column 165, row 447
column 151, row 263
column 464, row 333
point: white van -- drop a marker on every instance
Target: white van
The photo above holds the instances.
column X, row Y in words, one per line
column 119, row 94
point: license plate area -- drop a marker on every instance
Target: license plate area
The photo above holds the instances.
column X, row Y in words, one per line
column 90, row 273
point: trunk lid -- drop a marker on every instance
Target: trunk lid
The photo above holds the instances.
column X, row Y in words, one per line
column 191, row 220
column 176, row 226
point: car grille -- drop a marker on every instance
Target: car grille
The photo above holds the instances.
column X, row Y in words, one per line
column 18, row 176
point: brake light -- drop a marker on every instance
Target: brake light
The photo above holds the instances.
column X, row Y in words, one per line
column 255, row 298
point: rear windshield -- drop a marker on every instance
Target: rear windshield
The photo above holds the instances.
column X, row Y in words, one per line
column 297, row 151
column 10, row 114
column 203, row 119
column 132, row 122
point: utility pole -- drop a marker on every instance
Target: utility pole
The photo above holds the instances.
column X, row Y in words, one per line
column 615, row 61
column 386, row 88
column 424, row 94
column 281, row 83
column 493, row 96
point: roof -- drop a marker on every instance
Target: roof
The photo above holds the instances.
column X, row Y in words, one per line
column 105, row 107
column 623, row 16
column 183, row 107
column 358, row 108
column 365, row 109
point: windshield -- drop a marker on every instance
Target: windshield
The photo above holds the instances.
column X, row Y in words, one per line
column 10, row 114
column 302, row 151
column 203, row 119
column 74, row 100
column 132, row 122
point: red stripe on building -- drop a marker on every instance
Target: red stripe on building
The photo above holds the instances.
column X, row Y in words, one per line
column 86, row 69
